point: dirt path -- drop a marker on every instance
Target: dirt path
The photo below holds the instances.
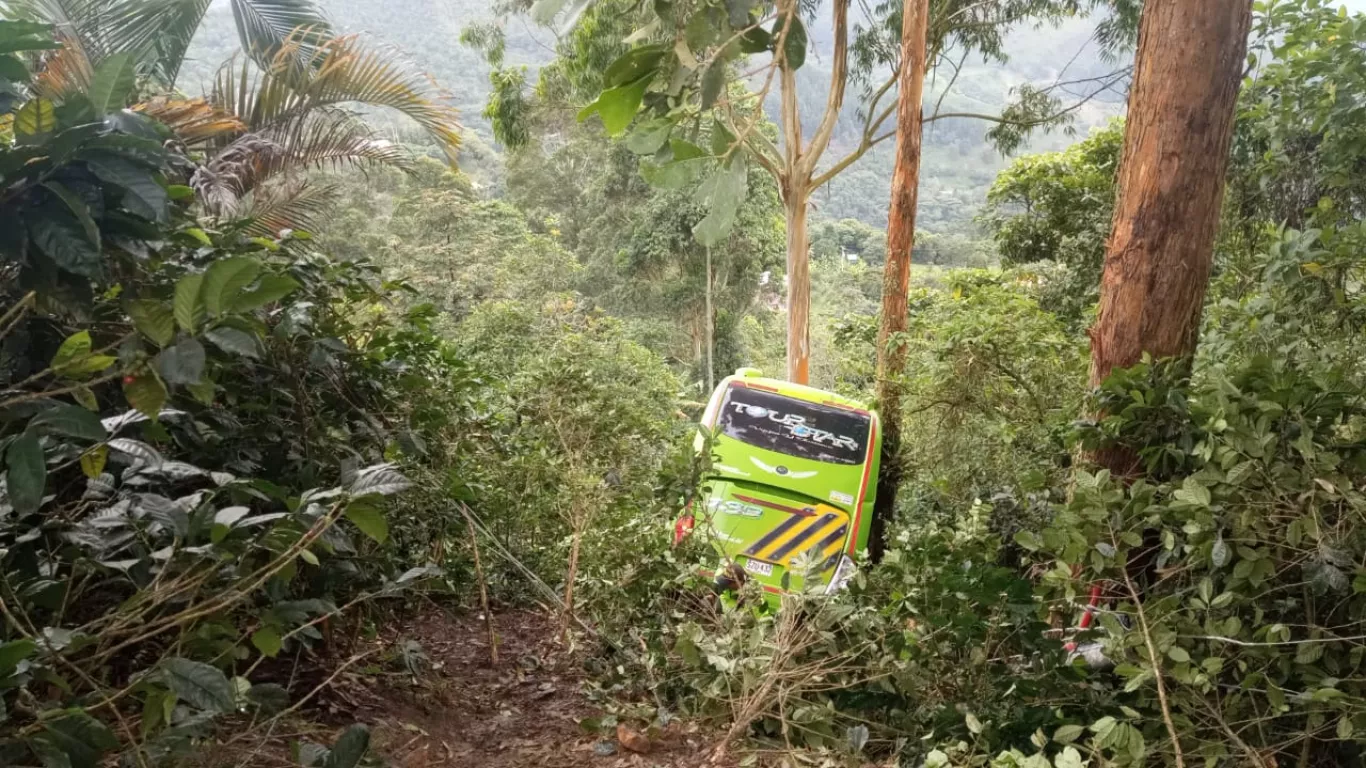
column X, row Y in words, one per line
column 461, row 711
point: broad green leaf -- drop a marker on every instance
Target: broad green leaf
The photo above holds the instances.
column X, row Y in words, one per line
column 233, row 341
column 181, row 192
column 140, row 183
column 268, row 289
column 677, row 174
column 13, row 652
column 78, row 208
column 81, row 738
column 146, row 393
column 649, row 137
column 199, row 684
column 617, row 106
column 794, row 45
column 93, row 461
column 270, row 697
column 642, row 61
column 722, row 194
column 225, row 279
column 369, row 520
column 86, row 398
column 350, row 749
column 1067, row 734
column 113, row 82
column 203, row 391
column 267, row 640
column 25, row 473
column 182, row 363
column 153, row 319
column 713, row 82
column 34, row 120
column 73, row 348
column 59, row 235
column 69, row 420
column 189, row 308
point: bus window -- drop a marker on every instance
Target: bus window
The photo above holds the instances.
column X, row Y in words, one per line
column 794, row 427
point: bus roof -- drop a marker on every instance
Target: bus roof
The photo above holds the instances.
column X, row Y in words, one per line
column 751, row 377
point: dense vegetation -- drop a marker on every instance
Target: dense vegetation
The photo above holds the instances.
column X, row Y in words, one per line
column 266, row 373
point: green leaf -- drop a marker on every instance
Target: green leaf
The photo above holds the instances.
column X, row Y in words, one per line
column 86, row 398
column 73, row 348
column 93, row 461
column 369, row 520
column 794, row 45
column 13, row 652
column 113, row 82
column 267, row 640
column 34, row 120
column 225, row 279
column 713, row 81
column 678, row 174
column 140, row 183
column 26, row 473
column 233, row 341
column 146, row 393
column 182, row 363
column 1066, row 734
column 270, row 697
column 1178, row 654
column 270, row 288
column 59, row 235
column 650, row 136
column 153, row 319
column 722, row 194
column 181, row 192
column 200, row 684
column 350, row 748
column 82, row 739
column 69, row 420
column 78, row 209
column 189, row 309
column 617, row 106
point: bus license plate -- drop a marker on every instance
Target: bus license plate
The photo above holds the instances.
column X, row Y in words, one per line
column 759, row 567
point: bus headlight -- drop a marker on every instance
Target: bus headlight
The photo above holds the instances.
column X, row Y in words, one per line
column 843, row 573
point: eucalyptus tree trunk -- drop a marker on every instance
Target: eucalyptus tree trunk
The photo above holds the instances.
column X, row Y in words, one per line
column 798, row 286
column 1189, row 66
column 896, row 271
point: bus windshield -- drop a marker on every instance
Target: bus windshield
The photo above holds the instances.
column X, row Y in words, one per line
column 794, row 427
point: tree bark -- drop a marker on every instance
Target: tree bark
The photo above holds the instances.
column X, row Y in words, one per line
column 1171, row 181
column 798, row 286
column 896, row 271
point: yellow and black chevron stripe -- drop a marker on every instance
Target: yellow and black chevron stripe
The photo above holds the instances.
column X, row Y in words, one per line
column 824, row 532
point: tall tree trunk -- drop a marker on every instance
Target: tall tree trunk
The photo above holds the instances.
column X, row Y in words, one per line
column 711, row 331
column 798, row 285
column 1171, row 182
column 896, row 271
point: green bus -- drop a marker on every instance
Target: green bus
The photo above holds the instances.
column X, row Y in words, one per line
column 788, row 498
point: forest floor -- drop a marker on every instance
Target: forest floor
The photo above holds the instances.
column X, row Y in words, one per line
column 449, row 706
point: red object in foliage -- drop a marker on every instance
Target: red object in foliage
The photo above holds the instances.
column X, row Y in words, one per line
column 1088, row 616
column 683, row 527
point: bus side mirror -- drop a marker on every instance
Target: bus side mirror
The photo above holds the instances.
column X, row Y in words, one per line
column 749, row 373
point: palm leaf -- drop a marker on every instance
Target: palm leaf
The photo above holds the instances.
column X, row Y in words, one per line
column 268, row 27
column 195, row 122
column 326, row 138
column 159, row 31
column 293, row 204
column 76, row 23
column 64, row 71
column 341, row 71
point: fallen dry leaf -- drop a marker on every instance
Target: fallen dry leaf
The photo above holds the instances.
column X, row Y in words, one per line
column 632, row 740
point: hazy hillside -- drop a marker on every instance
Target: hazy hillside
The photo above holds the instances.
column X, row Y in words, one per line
column 959, row 164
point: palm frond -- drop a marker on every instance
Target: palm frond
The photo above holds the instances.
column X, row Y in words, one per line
column 326, row 138
column 293, row 204
column 77, row 23
column 64, row 70
column 195, row 122
column 342, row 71
column 159, row 31
column 268, row 27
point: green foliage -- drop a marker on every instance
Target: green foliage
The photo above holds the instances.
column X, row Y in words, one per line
column 1058, row 207
column 184, row 418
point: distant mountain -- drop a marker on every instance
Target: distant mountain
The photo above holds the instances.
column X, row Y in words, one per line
column 958, row 164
